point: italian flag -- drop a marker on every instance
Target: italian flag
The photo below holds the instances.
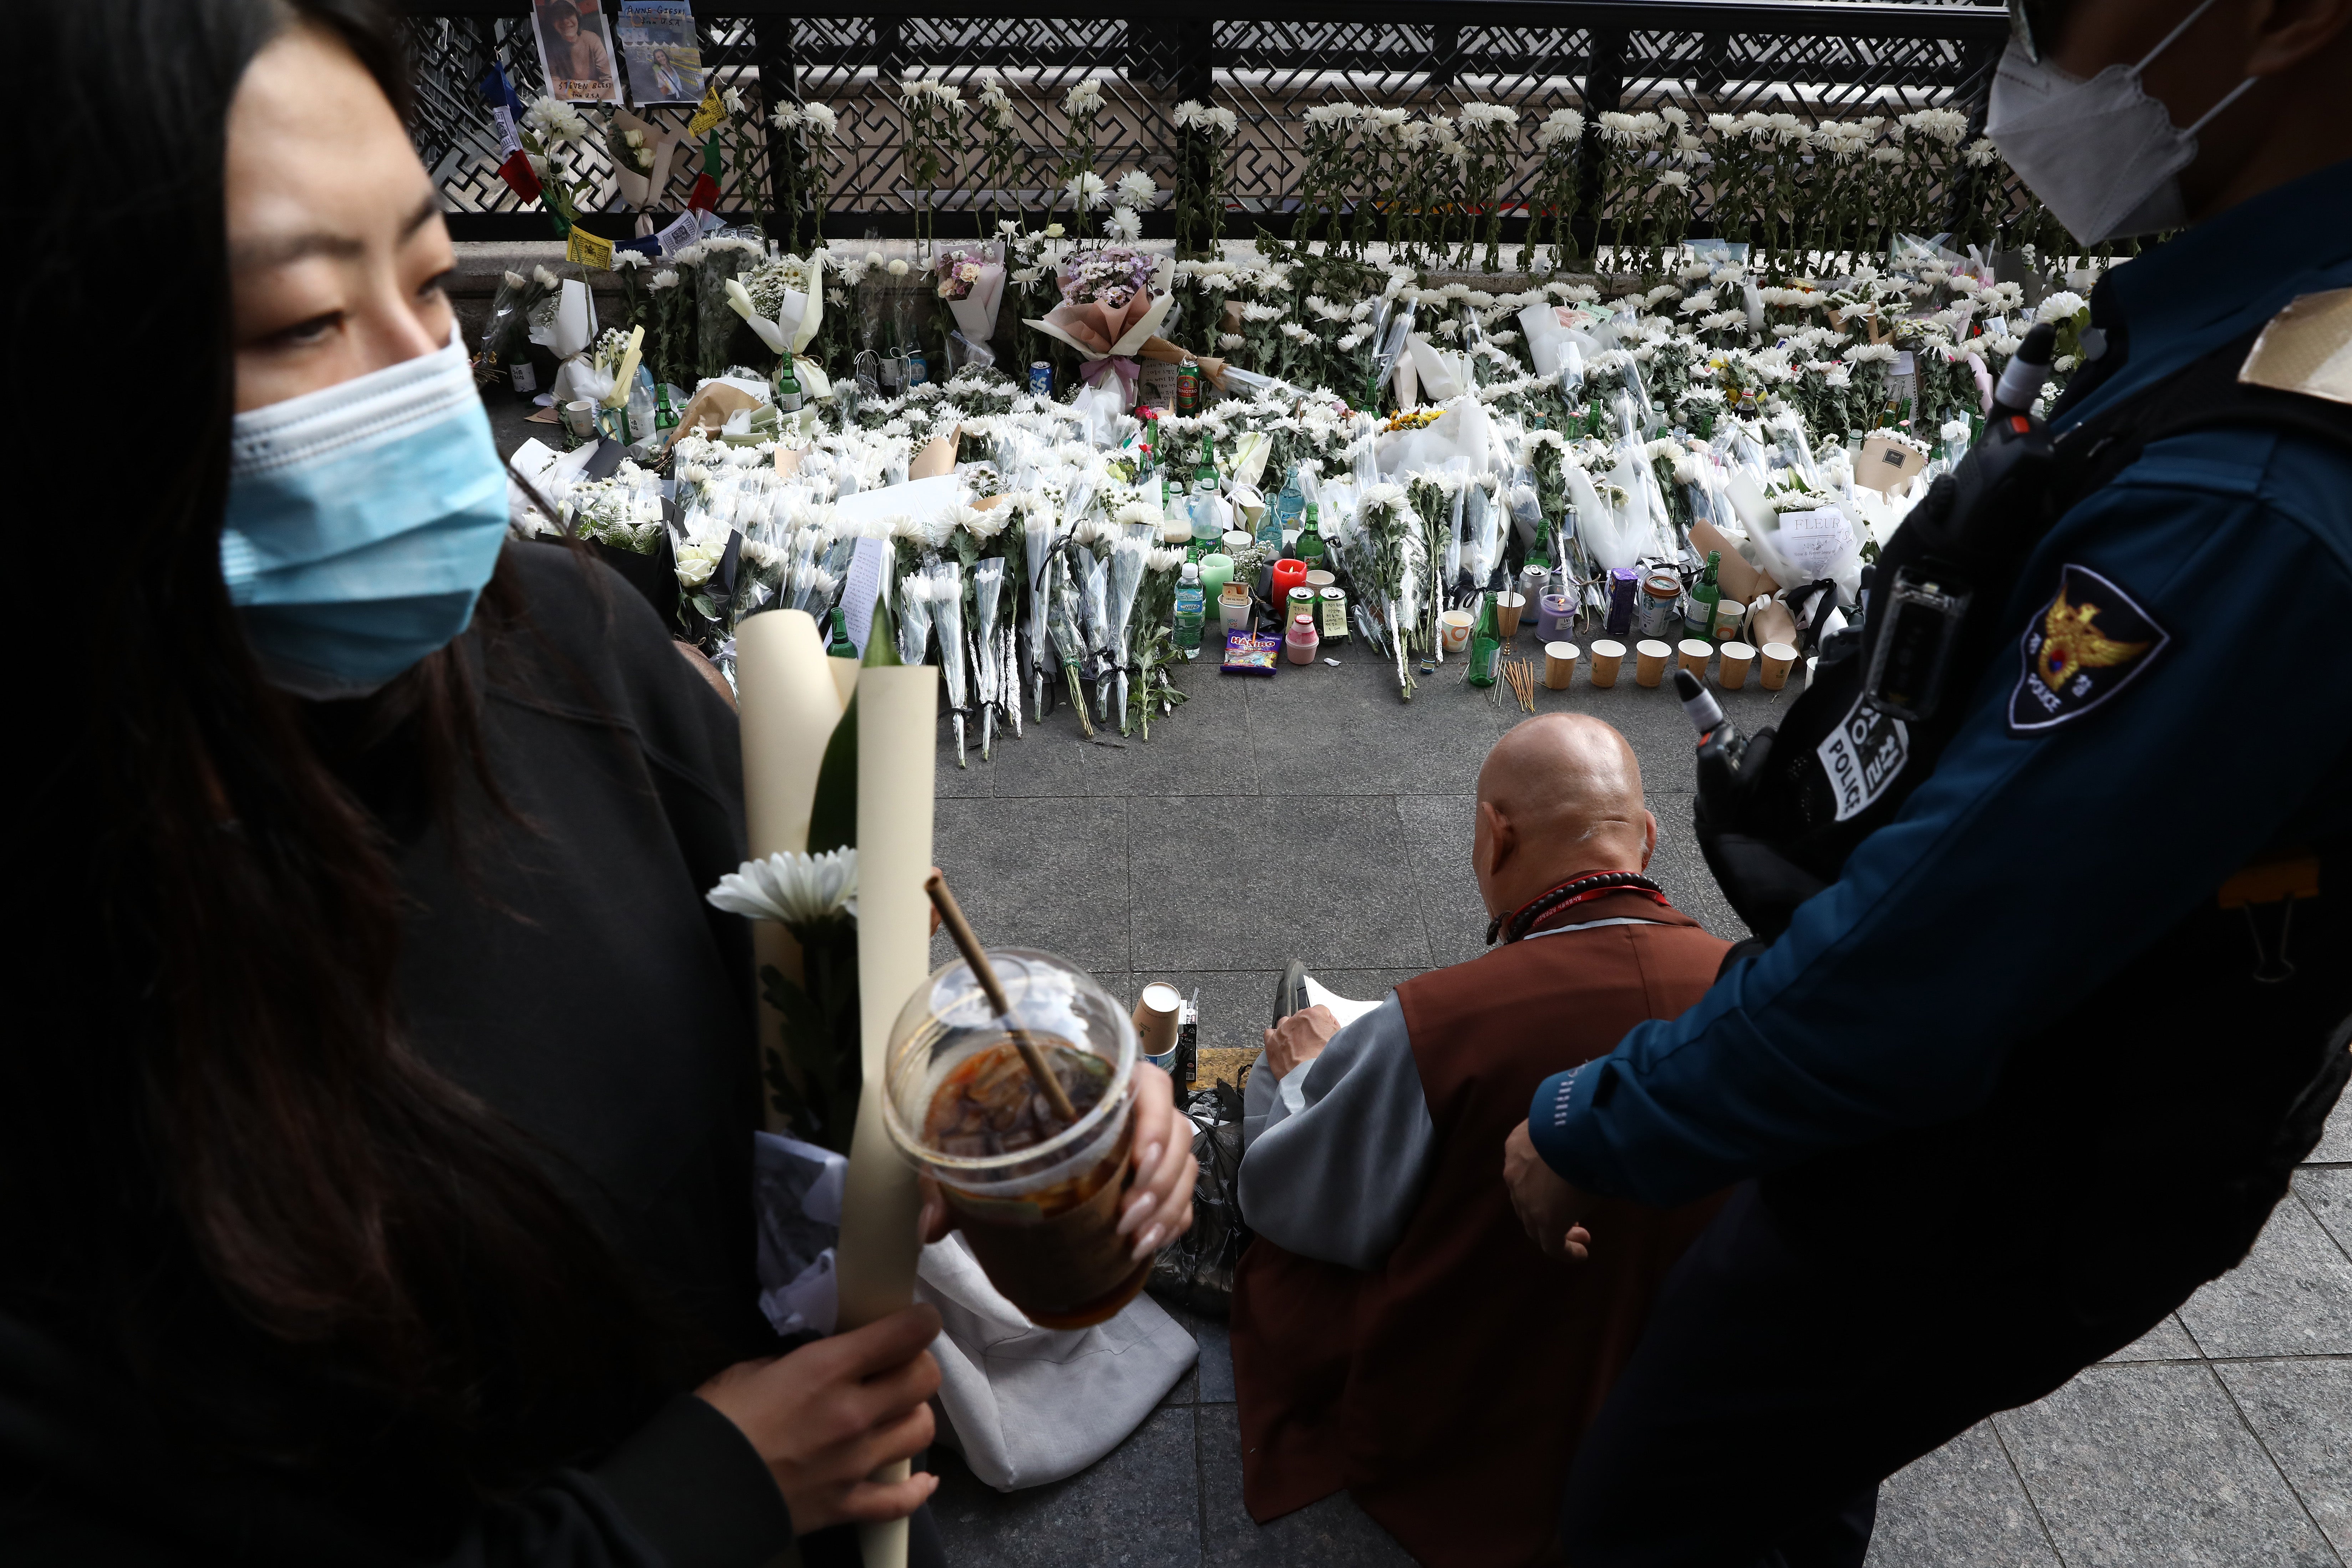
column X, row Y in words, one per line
column 506, row 112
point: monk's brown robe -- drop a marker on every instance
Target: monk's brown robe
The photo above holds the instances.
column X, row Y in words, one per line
column 1447, row 1390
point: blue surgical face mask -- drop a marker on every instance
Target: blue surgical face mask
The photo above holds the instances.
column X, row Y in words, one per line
column 362, row 522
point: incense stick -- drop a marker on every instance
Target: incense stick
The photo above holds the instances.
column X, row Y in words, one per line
column 967, row 942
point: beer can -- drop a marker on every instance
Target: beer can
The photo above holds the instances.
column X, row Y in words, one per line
column 1187, row 388
column 1335, row 614
column 1040, row 378
column 919, row 369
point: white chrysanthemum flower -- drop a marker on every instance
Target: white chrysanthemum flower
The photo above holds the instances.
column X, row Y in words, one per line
column 1946, row 125
column 799, row 892
column 1675, row 180
column 1560, row 125
column 1084, row 97
column 1980, row 154
column 1086, row 190
column 819, row 119
column 1485, row 114
column 555, row 119
column 623, row 259
column 1125, row 225
column 1230, row 341
column 1135, row 189
column 2059, row 307
column 1327, row 114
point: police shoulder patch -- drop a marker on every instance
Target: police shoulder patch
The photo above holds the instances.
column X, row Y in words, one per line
column 2089, row 642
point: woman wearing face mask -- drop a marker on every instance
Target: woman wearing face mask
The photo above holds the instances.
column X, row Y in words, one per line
column 374, row 1129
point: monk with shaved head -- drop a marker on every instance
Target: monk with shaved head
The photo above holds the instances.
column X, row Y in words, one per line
column 1393, row 1333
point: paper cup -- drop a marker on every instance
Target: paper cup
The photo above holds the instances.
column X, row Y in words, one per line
column 1155, row 1019
column 1730, row 620
column 1650, row 658
column 1606, row 658
column 1778, row 657
column 1559, row 664
column 1318, row 580
column 1732, row 669
column 1507, row 608
column 1456, row 628
column 1236, row 541
column 1692, row 654
column 580, row 418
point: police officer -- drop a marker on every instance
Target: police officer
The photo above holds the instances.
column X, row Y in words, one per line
column 2037, row 1056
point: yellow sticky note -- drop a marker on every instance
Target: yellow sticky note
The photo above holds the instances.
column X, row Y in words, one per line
column 587, row 249
column 706, row 114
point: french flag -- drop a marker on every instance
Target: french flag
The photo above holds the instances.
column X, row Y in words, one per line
column 506, row 109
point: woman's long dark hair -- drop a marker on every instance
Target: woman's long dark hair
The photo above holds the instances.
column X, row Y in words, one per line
column 223, row 1176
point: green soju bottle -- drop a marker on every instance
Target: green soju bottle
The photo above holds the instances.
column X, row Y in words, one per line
column 788, row 388
column 1698, row 605
column 1310, row 541
column 841, row 647
column 1204, row 473
column 1486, row 643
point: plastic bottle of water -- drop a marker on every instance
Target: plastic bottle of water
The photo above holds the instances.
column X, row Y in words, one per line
column 1189, row 610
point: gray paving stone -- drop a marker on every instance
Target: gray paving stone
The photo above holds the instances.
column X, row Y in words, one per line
column 2131, row 1466
column 1332, row 1533
column 1227, row 884
column 2166, row 1341
column 2328, row 1195
column 1341, row 731
column 2292, row 1296
column 1051, row 760
column 1049, row 874
column 2302, row 1410
column 2335, row 1142
column 1438, row 829
column 1960, row 1507
column 1135, row 1508
column 1215, row 1366
column 1678, row 866
column 1203, row 748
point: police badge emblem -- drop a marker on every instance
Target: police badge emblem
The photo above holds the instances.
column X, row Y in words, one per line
column 2086, row 644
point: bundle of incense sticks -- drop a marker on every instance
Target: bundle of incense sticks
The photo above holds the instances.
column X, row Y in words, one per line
column 1520, row 675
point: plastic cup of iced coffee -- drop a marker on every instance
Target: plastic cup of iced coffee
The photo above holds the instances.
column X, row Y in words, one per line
column 1036, row 1197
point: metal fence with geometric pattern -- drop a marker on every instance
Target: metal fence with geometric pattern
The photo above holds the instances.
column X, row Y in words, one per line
column 1814, row 58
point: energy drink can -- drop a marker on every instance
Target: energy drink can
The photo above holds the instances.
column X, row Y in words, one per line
column 1040, row 378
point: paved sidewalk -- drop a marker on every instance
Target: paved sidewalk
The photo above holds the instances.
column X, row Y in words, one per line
column 1315, row 815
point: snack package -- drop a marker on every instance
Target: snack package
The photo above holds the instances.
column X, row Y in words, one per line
column 1251, row 653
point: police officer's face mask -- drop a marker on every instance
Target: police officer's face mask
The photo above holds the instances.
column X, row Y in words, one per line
column 2101, row 154
column 363, row 520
